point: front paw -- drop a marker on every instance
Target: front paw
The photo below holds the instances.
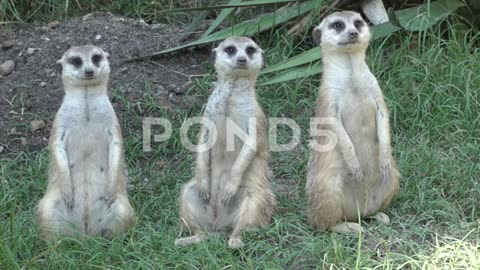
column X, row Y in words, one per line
column 203, row 192
column 68, row 199
column 385, row 169
column 109, row 198
column 229, row 193
column 356, row 170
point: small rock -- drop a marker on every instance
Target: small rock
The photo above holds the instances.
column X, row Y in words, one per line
column 23, row 140
column 30, row 51
column 161, row 91
column 53, row 24
column 155, row 26
column 142, row 22
column 172, row 88
column 173, row 98
column 53, row 75
column 98, row 37
column 123, row 69
column 43, row 84
column 1, row 148
column 8, row 44
column 7, row 67
column 37, row 124
column 87, row 17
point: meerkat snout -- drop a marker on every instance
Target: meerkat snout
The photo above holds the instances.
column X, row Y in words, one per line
column 89, row 74
column 242, row 61
column 238, row 56
column 85, row 65
column 344, row 31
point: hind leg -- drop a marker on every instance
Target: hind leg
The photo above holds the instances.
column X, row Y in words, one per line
column 255, row 211
column 53, row 217
column 111, row 216
column 194, row 215
column 325, row 210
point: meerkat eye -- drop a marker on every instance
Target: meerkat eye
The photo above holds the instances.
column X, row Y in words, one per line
column 358, row 24
column 76, row 61
column 338, row 25
column 96, row 58
column 231, row 50
column 251, row 50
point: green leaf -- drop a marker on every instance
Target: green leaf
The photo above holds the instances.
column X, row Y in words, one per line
column 246, row 28
column 422, row 17
column 301, row 59
column 295, row 73
column 221, row 17
column 383, row 30
column 196, row 22
column 263, row 22
column 234, row 5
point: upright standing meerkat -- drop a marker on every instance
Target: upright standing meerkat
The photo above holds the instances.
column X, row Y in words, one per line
column 86, row 187
column 358, row 178
column 230, row 190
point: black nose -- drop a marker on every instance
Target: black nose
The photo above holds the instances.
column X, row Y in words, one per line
column 89, row 73
column 241, row 61
column 353, row 34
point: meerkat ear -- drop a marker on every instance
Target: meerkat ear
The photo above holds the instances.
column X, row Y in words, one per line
column 59, row 61
column 317, row 35
column 213, row 56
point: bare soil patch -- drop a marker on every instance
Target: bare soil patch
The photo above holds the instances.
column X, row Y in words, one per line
column 34, row 91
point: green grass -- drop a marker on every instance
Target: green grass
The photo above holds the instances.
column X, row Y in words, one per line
column 431, row 85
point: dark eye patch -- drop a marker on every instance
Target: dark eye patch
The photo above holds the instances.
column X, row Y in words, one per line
column 358, row 24
column 75, row 61
column 96, row 59
column 337, row 25
column 250, row 50
column 230, row 50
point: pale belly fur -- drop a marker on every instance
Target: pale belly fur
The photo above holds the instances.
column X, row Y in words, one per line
column 88, row 155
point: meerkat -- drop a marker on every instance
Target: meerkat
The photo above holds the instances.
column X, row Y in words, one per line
column 230, row 190
column 358, row 177
column 86, row 189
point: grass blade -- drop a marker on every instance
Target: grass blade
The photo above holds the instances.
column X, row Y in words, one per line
column 301, row 59
column 295, row 73
column 422, row 17
column 221, row 17
column 252, row 3
column 196, row 22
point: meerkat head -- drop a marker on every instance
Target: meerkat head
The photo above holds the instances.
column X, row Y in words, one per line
column 342, row 31
column 237, row 57
column 85, row 65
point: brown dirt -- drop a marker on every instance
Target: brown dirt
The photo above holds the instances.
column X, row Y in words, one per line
column 33, row 91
